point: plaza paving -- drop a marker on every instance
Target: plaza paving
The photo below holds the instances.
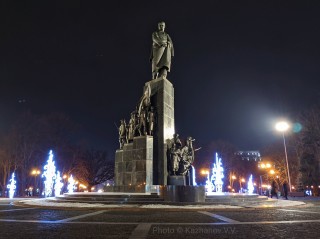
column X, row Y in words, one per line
column 288, row 222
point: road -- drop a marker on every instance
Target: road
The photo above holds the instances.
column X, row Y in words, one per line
column 297, row 222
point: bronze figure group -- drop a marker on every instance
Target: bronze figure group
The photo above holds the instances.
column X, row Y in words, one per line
column 142, row 120
column 180, row 157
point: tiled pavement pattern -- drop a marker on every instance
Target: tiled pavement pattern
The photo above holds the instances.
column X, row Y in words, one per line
column 298, row 222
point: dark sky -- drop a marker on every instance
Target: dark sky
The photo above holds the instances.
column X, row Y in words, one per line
column 238, row 65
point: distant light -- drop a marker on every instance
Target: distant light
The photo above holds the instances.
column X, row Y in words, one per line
column 100, row 191
column 71, row 185
column 250, row 185
column 297, row 127
column 282, row 126
column 58, row 184
column 194, row 183
column 217, row 174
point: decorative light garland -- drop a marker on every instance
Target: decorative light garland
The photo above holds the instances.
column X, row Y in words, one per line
column 50, row 175
column 12, row 186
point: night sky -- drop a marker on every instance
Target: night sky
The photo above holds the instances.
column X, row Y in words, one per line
column 238, row 66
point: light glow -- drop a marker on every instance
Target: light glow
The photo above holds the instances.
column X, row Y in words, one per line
column 250, row 185
column 194, row 176
column 58, row 184
column 50, row 175
column 71, row 185
column 217, row 174
column 282, row 126
column 209, row 186
column 12, row 186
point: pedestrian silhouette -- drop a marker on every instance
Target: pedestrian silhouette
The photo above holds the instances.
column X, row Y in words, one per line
column 285, row 190
column 274, row 189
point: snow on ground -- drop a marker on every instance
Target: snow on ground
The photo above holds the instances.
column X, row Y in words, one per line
column 280, row 203
column 50, row 202
column 105, row 193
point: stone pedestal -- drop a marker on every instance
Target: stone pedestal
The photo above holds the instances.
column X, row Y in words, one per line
column 178, row 193
column 177, row 180
column 133, row 163
column 162, row 98
column 144, row 161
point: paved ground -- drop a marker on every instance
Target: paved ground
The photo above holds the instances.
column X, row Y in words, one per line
column 294, row 222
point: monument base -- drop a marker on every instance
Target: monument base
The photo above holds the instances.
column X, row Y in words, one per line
column 177, row 180
column 178, row 193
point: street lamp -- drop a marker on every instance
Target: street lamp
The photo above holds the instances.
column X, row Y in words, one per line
column 263, row 166
column 283, row 127
column 35, row 173
column 243, row 181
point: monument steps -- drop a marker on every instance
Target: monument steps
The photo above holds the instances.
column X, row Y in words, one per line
column 235, row 199
column 111, row 198
column 145, row 199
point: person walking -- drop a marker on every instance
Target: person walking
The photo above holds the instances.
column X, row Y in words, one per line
column 285, row 190
column 274, row 189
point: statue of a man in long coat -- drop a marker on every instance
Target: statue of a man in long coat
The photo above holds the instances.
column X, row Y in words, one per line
column 161, row 53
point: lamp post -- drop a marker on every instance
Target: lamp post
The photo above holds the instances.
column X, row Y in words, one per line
column 233, row 177
column 35, row 173
column 243, row 181
column 263, row 166
column 283, row 127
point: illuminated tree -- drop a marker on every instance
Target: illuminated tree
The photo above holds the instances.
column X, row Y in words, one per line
column 58, row 184
column 217, row 174
column 50, row 175
column 12, row 186
column 250, row 185
column 71, row 185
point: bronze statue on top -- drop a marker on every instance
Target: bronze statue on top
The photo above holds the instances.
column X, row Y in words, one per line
column 161, row 53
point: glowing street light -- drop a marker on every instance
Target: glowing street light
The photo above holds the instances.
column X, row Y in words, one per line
column 283, row 127
column 264, row 165
column 35, row 173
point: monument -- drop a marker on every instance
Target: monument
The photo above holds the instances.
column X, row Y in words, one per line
column 150, row 152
